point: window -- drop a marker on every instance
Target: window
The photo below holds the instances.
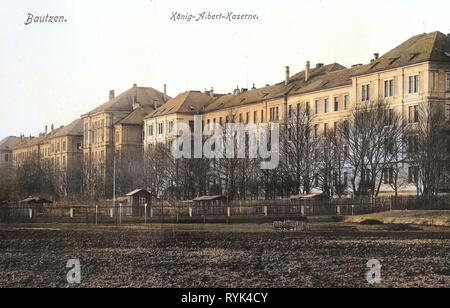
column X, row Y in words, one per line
column 220, row 121
column 316, row 130
column 290, row 111
column 345, row 178
column 325, row 129
column 335, row 126
column 447, row 82
column 274, row 114
column 240, row 118
column 255, row 116
column 326, row 105
column 316, row 111
column 64, row 161
column 413, row 174
column 160, row 128
column 413, row 114
column 63, row 145
column 117, row 137
column 79, row 147
column 346, row 102
column 171, row 126
column 6, row 157
column 366, row 92
column 447, row 112
column 389, row 117
column 389, row 88
column 414, row 84
column 412, row 143
column 388, row 176
column 298, row 109
column 336, row 104
column 262, row 116
column 307, row 108
column 433, row 79
column 150, row 130
column 247, row 117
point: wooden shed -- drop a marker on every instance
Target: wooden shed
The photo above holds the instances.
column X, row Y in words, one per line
column 137, row 199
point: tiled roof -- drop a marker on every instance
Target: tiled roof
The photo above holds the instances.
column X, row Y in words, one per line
column 73, row 129
column 136, row 117
column 187, row 102
column 124, row 101
column 9, row 143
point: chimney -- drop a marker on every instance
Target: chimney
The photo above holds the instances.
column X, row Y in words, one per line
column 46, row 129
column 165, row 91
column 376, row 55
column 253, row 88
column 236, row 91
column 111, row 95
column 286, row 79
column 319, row 65
column 52, row 127
column 211, row 93
column 134, row 85
column 307, row 70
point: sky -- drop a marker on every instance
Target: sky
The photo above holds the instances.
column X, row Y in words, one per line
column 52, row 73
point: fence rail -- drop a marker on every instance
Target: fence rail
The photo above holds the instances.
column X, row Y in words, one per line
column 176, row 211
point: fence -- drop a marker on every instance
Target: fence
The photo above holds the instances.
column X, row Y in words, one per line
column 176, row 211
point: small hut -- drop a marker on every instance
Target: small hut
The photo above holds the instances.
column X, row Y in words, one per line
column 209, row 202
column 137, row 199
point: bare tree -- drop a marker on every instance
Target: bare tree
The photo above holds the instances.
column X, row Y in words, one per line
column 371, row 134
column 427, row 142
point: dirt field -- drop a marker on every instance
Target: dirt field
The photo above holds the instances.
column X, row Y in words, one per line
column 243, row 255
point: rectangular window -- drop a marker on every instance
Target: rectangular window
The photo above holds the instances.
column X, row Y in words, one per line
column 336, row 104
column 447, row 112
column 325, row 129
column 388, row 88
column 240, row 118
column 160, row 128
column 447, row 82
column 6, row 157
column 326, row 105
column 220, row 121
column 389, row 117
column 388, row 176
column 433, row 78
column 262, row 116
column 412, row 143
column 346, row 102
column 171, row 126
column 290, row 111
column 247, row 117
column 413, row 174
column 255, row 116
column 64, row 146
column 366, row 92
column 316, row 111
column 150, row 130
column 307, row 108
column 316, row 130
column 413, row 114
column 298, row 109
column 414, row 84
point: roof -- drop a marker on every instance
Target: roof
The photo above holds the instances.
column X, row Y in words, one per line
column 209, row 198
column 309, row 196
column 136, row 117
column 434, row 46
column 187, row 102
column 124, row 101
column 136, row 191
column 75, row 128
column 296, row 82
column 35, row 200
column 9, row 143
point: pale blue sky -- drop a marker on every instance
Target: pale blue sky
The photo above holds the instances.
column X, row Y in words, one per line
column 53, row 73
